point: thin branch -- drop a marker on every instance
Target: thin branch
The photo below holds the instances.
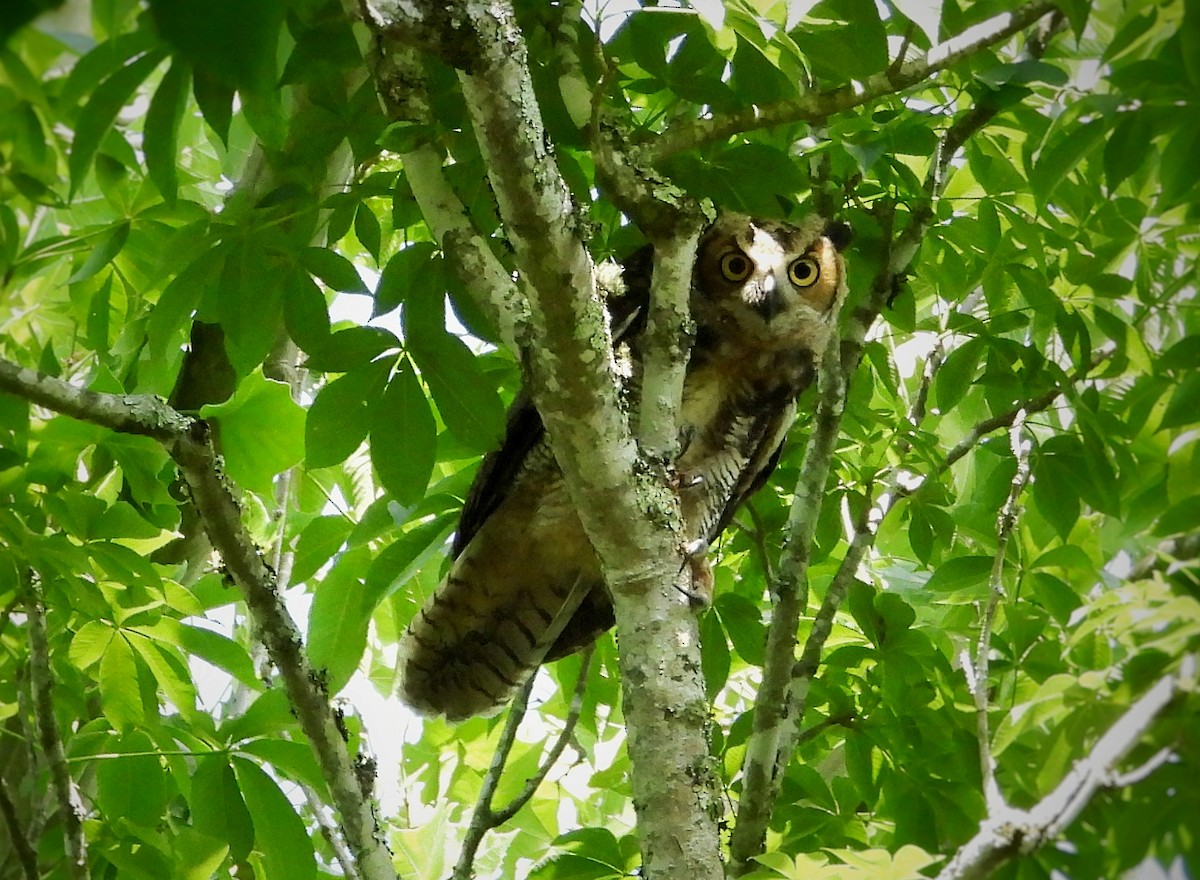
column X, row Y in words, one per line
column 331, row 834
column 1010, row 833
column 485, row 818
column 815, row 107
column 1005, row 523
column 70, row 806
column 779, row 710
column 128, row 413
column 189, row 444
column 761, row 767
column 25, row 854
column 560, row 745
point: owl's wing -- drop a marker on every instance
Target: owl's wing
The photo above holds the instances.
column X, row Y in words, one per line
column 765, row 450
column 524, row 429
column 499, row 470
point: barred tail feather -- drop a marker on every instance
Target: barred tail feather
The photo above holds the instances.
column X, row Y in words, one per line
column 468, row 650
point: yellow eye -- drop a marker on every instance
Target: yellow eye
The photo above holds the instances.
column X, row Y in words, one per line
column 804, row 272
column 735, row 266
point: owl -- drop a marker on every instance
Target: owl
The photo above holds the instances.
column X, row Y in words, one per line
column 524, row 586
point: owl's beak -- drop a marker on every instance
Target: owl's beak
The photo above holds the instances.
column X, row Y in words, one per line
column 769, row 303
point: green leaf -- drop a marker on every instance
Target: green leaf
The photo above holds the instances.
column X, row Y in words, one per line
column 262, row 432
column 180, row 299
column 279, row 833
column 89, row 643
column 337, row 623
column 246, row 34
column 305, row 313
column 957, row 373
column 406, row 555
column 1181, row 518
column 350, row 348
column 1058, row 473
column 340, row 416
column 134, row 785
column 104, row 252
column 163, row 117
column 335, row 270
column 962, row 574
column 1062, row 156
column 755, row 80
column 466, row 399
column 1183, row 355
column 208, row 645
column 215, row 99
column 294, row 759
column 366, row 229
column 316, row 545
column 101, row 110
column 403, row 437
column 1177, row 170
column 1124, row 152
column 197, row 856
column 407, row 269
column 120, row 697
column 169, row 672
column 1184, row 408
column 714, row 654
column 742, row 620
column 217, row 808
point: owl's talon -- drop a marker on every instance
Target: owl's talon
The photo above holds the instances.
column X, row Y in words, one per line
column 684, row 481
column 699, row 587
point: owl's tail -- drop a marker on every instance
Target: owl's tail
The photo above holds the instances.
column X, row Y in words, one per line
column 468, row 650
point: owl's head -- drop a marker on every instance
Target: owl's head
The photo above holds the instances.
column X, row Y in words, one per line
column 774, row 281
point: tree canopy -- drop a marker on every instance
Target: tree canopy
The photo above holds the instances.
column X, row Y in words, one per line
column 272, row 273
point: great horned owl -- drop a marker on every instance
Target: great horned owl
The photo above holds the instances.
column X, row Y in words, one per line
column 525, row 586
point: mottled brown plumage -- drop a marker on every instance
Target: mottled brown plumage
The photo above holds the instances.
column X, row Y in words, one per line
column 525, row 585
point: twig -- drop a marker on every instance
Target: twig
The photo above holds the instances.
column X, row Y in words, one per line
column 1011, row 832
column 1005, row 523
column 70, row 805
column 485, row 818
column 761, row 765
column 773, row 742
column 814, row 107
column 329, row 831
column 25, row 854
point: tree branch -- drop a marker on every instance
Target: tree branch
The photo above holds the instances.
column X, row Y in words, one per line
column 70, row 807
column 623, row 505
column 1006, row 521
column 25, row 854
column 815, row 107
column 761, row 768
column 485, row 818
column 1012, row 832
column 779, row 710
column 189, row 444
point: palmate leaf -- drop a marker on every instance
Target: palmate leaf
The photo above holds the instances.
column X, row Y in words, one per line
column 262, row 432
column 403, row 437
column 100, row 112
column 279, row 834
column 161, row 144
column 466, row 398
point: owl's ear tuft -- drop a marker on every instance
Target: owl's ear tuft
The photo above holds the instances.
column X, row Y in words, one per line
column 840, row 234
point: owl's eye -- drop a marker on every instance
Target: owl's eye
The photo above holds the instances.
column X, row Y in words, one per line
column 804, row 272
column 735, row 266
